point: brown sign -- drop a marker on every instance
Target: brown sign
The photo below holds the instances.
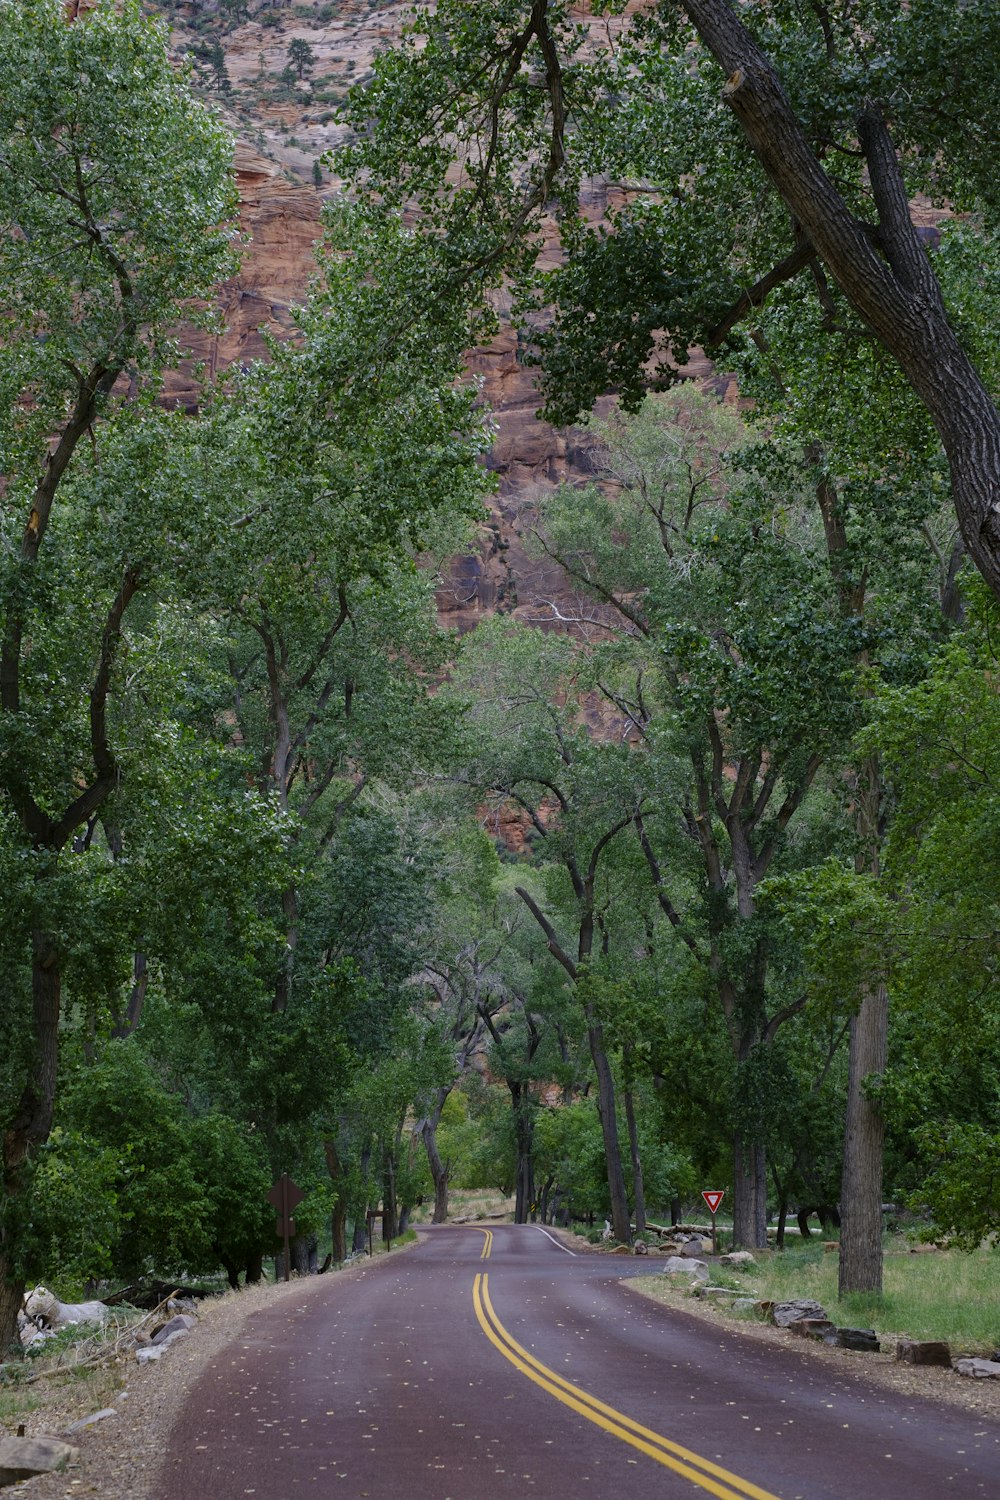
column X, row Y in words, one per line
column 283, row 1197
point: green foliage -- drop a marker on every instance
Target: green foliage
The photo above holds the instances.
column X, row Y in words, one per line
column 962, row 1185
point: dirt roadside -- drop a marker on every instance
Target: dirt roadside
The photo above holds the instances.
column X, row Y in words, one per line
column 120, row 1456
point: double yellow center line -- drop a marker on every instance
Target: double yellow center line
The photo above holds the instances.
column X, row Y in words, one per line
column 701, row 1471
column 487, row 1243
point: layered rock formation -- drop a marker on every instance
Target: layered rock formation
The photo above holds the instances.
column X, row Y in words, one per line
column 283, row 127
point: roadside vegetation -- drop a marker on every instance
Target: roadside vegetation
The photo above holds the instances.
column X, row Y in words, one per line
column 683, row 877
column 947, row 1294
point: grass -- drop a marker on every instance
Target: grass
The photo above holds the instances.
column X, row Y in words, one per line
column 466, row 1203
column 945, row 1295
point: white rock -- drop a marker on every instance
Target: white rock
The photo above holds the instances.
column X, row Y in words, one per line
column 675, row 1265
column 737, row 1258
column 96, row 1416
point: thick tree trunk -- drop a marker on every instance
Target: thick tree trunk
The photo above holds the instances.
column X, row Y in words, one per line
column 11, row 1298
column 338, row 1219
column 749, row 1195
column 638, row 1189
column 864, row 1125
column 254, row 1271
column 32, row 1121
column 620, row 1220
column 338, row 1230
column 864, row 1143
column 440, row 1171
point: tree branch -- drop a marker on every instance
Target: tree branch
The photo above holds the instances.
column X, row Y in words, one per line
column 551, row 940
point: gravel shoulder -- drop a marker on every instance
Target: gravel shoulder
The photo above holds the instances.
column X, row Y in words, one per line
column 120, row 1457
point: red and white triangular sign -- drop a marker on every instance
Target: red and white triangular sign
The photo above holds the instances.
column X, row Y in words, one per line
column 713, row 1199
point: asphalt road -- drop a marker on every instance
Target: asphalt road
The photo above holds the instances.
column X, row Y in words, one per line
column 492, row 1364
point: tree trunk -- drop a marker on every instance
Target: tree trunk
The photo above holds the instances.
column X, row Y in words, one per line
column 254, row 1269
column 749, row 1195
column 864, row 1142
column 440, row 1171
column 338, row 1219
column 390, row 1218
column 620, row 1220
column 638, row 1189
column 11, row 1298
column 338, row 1230
column 864, row 1125
column 524, row 1134
column 32, row 1120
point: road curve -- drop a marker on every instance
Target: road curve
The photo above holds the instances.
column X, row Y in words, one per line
column 491, row 1363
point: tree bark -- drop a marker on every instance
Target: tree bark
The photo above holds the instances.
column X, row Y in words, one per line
column 638, row 1188
column 440, row 1171
column 864, row 1127
column 864, row 1144
column 749, row 1195
column 620, row 1219
column 524, row 1131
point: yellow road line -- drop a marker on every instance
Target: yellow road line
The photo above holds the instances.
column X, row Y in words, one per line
column 487, row 1242
column 709, row 1476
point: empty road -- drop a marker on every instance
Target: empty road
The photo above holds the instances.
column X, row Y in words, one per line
column 488, row 1364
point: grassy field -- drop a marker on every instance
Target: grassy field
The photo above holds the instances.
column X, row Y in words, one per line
column 941, row 1295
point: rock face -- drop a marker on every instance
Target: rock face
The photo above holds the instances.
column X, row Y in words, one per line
column 22, row 1458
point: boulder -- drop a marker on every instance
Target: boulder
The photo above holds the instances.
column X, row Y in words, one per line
column 173, row 1338
column 745, row 1304
column 149, row 1355
column 741, row 1259
column 182, row 1321
column 863, row 1340
column 981, row 1369
column 923, row 1352
column 640, row 1248
column 22, row 1457
column 812, row 1328
column 676, row 1265
column 783, row 1313
column 694, row 1248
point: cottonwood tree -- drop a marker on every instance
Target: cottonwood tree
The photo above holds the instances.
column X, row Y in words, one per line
column 113, row 204
column 534, row 749
column 726, row 664
column 744, row 148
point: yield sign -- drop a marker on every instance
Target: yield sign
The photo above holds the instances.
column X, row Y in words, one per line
column 713, row 1199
